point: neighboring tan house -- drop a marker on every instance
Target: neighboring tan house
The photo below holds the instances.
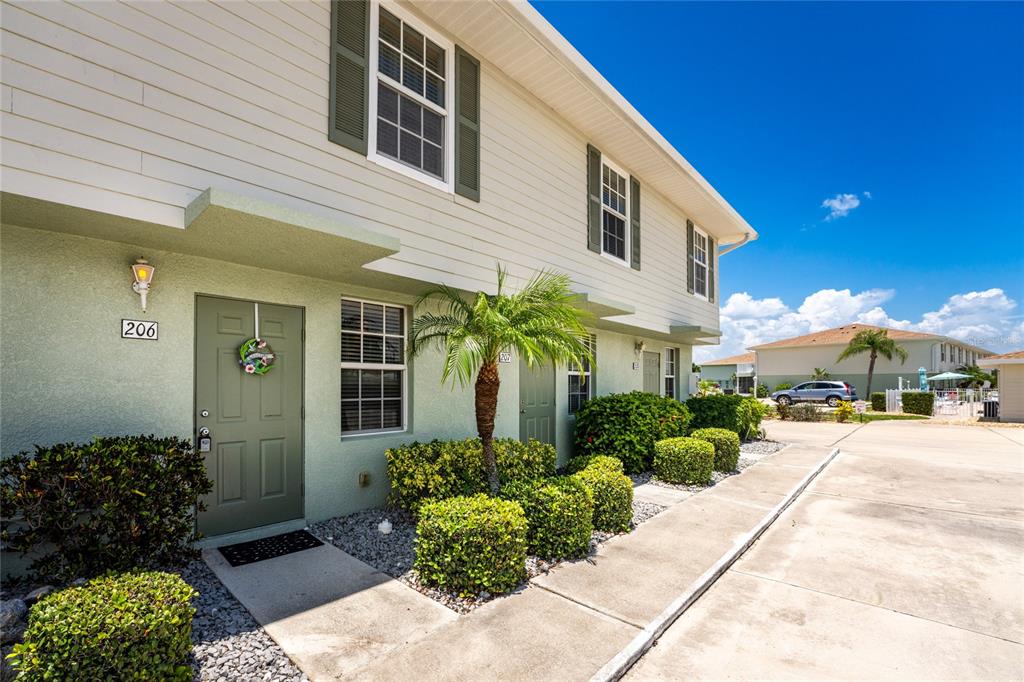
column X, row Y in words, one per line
column 734, row 373
column 1010, row 382
column 310, row 168
column 793, row 360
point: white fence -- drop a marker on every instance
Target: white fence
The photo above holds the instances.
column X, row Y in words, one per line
column 955, row 403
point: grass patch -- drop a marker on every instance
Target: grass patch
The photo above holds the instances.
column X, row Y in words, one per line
column 879, row 416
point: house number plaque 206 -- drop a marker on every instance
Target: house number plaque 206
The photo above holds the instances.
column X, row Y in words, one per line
column 140, row 329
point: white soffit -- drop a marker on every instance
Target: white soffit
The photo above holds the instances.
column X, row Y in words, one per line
column 517, row 40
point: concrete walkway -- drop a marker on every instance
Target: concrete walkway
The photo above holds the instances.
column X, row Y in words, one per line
column 338, row 618
column 902, row 560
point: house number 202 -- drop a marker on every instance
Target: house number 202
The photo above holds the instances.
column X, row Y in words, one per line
column 140, row 329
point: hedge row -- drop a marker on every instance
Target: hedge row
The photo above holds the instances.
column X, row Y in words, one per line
column 441, row 469
column 627, row 425
column 918, row 402
column 878, row 402
column 740, row 414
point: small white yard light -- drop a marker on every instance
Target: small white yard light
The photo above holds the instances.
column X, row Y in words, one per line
column 143, row 273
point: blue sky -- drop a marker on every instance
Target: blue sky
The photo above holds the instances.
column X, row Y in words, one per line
column 915, row 110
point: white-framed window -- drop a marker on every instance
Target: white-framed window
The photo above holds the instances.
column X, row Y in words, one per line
column 671, row 358
column 373, row 368
column 614, row 212
column 942, row 352
column 411, row 97
column 700, row 263
column 581, row 384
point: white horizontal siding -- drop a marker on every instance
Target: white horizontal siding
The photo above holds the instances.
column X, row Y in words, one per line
column 139, row 107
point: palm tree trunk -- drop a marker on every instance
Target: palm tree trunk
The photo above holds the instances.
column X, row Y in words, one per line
column 871, row 371
column 487, row 384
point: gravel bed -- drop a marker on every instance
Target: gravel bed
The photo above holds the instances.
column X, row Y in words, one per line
column 227, row 642
column 394, row 553
column 760, row 448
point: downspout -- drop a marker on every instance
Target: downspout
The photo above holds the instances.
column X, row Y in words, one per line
column 733, row 247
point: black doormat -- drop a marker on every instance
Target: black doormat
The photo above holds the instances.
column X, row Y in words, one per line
column 268, row 548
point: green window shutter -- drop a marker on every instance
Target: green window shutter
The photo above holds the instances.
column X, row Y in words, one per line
column 350, row 50
column 712, row 252
column 634, row 223
column 689, row 256
column 467, row 130
column 593, row 198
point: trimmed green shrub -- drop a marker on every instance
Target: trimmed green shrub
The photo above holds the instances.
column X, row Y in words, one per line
column 581, row 462
column 762, row 391
column 613, row 496
column 783, row 386
column 471, row 544
column 802, row 412
column 449, row 468
column 121, row 626
column 740, row 414
column 684, row 460
column 559, row 515
column 113, row 504
column 878, row 402
column 918, row 402
column 626, row 425
column 727, row 447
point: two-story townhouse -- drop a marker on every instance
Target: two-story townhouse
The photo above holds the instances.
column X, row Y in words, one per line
column 299, row 172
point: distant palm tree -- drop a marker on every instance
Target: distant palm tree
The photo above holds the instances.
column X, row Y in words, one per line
column 540, row 322
column 876, row 342
column 978, row 376
column 820, row 373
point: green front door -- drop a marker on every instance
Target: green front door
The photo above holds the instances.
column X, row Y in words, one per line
column 652, row 372
column 254, row 421
column 537, row 403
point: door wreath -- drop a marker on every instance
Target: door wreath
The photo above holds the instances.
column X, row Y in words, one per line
column 256, row 356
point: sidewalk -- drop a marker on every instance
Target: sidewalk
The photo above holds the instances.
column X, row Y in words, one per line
column 340, row 619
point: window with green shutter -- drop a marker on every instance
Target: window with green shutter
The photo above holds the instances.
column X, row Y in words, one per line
column 404, row 95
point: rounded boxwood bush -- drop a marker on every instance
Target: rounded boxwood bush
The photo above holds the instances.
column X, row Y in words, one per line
column 626, row 425
column 559, row 514
column 471, row 544
column 119, row 626
column 684, row 460
column 450, row 468
column 581, row 462
column 613, row 495
column 727, row 447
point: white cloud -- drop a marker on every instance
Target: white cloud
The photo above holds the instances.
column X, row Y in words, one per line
column 840, row 205
column 984, row 318
column 867, row 195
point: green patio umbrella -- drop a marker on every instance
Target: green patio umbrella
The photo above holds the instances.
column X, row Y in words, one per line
column 948, row 376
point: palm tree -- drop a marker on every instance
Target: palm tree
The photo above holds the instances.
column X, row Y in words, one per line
column 978, row 376
column 820, row 373
column 540, row 322
column 876, row 342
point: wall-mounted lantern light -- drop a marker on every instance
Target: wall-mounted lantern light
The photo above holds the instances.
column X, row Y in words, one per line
column 143, row 273
column 639, row 347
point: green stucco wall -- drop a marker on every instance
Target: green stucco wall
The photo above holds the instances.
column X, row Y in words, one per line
column 66, row 374
column 720, row 373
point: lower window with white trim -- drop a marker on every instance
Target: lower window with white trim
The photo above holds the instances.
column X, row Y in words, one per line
column 671, row 358
column 581, row 382
column 373, row 368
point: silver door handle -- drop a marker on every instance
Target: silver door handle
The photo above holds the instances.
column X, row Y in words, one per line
column 204, row 432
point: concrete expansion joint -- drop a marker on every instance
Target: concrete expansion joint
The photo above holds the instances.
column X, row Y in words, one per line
column 589, row 607
column 620, row 664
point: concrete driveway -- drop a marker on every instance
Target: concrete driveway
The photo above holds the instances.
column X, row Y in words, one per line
column 904, row 559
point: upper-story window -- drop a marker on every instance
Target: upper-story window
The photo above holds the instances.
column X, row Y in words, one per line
column 614, row 207
column 700, row 263
column 942, row 352
column 373, row 369
column 410, row 98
